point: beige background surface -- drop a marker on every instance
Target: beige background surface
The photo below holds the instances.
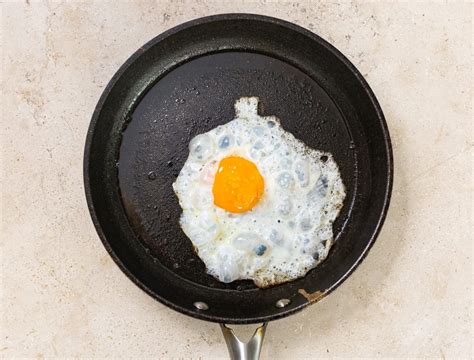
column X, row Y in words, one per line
column 63, row 297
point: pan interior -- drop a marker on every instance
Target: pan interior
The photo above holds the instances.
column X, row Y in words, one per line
column 195, row 98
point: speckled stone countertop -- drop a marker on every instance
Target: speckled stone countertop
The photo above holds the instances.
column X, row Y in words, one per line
column 62, row 296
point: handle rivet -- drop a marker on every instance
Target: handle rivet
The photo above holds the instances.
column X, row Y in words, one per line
column 282, row 303
column 201, row 305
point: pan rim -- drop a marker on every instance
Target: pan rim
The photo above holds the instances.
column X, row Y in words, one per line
column 224, row 17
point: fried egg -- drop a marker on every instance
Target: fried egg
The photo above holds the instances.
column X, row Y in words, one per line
column 258, row 203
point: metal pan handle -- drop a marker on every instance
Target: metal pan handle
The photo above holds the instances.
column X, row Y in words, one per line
column 239, row 350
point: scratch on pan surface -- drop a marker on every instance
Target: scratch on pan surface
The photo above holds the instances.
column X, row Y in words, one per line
column 312, row 297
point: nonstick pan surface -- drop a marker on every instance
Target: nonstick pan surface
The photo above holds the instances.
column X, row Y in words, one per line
column 185, row 82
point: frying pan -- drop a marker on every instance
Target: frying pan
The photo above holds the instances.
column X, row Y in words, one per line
column 184, row 82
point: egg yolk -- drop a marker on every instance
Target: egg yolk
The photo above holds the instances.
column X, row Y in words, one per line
column 238, row 185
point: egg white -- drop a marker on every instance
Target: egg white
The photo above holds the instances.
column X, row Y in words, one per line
column 289, row 231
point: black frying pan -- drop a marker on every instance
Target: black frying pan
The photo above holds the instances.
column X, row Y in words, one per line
column 185, row 82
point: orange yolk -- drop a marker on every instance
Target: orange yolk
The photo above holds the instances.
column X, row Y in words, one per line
column 238, row 185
